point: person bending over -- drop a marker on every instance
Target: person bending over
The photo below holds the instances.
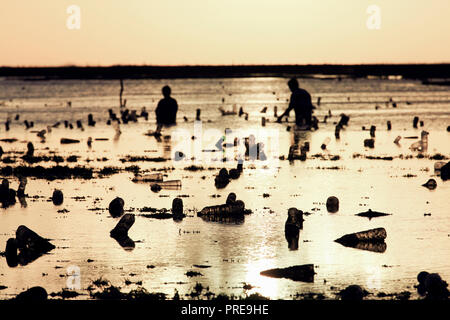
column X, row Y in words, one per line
column 300, row 101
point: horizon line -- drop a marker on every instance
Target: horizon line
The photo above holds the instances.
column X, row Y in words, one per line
column 225, row 65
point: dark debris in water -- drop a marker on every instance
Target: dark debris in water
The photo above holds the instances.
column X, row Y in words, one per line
column 9, row 140
column 404, row 295
column 107, row 171
column 372, row 214
column 193, row 274
column 436, row 156
column 308, row 296
column 304, row 273
column 326, row 157
column 110, row 292
column 201, row 266
column 142, row 159
column 194, row 168
column 158, row 215
column 51, row 173
column 65, row 294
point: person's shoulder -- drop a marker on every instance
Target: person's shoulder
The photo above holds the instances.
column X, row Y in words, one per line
column 303, row 91
column 173, row 101
column 304, row 94
column 297, row 93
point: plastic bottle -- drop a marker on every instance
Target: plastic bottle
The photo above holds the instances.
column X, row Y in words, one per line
column 22, row 185
column 325, row 143
column 235, row 208
column 170, row 184
column 151, row 177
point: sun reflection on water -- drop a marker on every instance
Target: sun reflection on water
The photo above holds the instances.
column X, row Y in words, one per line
column 265, row 286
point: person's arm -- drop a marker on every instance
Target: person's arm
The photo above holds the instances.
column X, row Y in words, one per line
column 311, row 106
column 287, row 111
column 175, row 111
column 158, row 112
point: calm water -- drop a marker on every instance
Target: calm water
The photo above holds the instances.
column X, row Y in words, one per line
column 237, row 253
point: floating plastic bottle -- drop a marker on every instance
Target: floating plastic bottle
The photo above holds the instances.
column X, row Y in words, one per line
column 372, row 131
column 151, row 177
column 169, row 185
column 438, row 165
column 372, row 235
column 22, row 185
column 325, row 143
column 235, row 208
column 116, row 127
column 293, row 151
column 337, row 132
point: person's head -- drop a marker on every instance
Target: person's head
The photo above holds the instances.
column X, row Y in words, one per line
column 293, row 84
column 166, row 91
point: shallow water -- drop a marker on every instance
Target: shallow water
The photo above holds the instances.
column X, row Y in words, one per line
column 236, row 253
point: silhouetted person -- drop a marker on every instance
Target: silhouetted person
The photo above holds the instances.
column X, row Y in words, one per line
column 301, row 103
column 166, row 111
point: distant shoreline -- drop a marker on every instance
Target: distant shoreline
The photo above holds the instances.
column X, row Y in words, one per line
column 405, row 71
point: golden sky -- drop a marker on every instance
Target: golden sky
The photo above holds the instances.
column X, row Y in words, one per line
column 173, row 32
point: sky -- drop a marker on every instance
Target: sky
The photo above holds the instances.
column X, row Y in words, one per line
column 213, row 32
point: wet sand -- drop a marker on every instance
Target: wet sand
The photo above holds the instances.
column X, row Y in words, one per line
column 418, row 229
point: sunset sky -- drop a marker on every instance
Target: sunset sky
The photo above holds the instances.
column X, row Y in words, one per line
column 174, row 32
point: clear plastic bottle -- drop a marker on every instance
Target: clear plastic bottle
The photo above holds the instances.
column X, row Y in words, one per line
column 151, row 177
column 170, row 184
column 22, row 185
column 325, row 143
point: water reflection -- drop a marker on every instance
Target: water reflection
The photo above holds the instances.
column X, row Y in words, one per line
column 268, row 287
column 298, row 149
column 125, row 242
column 378, row 247
column 23, row 258
column 229, row 219
column 23, row 202
column 28, row 252
column 299, row 135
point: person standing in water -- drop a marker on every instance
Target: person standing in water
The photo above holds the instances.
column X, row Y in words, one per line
column 166, row 111
column 301, row 103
